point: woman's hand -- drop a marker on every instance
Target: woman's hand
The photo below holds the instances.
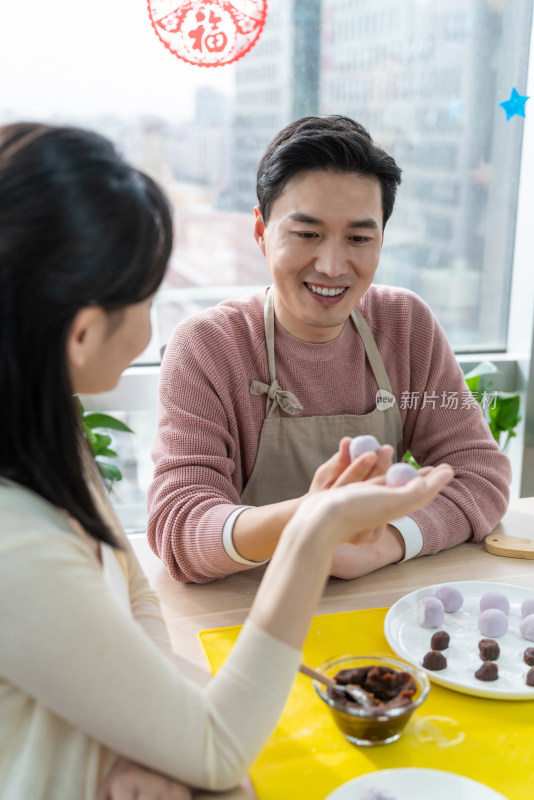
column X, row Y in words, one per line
column 129, row 781
column 352, row 510
column 295, row 578
column 372, row 549
column 376, row 547
column 339, row 470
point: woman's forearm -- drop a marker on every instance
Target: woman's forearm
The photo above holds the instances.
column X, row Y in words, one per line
column 293, row 584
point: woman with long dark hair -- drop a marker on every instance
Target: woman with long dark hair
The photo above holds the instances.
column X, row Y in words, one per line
column 87, row 678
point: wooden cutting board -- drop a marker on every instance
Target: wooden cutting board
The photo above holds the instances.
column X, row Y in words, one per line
column 500, row 544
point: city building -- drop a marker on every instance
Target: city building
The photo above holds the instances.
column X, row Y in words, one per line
column 422, row 77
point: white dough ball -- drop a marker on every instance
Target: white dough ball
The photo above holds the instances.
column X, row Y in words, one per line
column 526, row 628
column 493, row 623
column 430, row 612
column 400, row 474
column 363, row 444
column 527, row 606
column 495, row 600
column 451, row 597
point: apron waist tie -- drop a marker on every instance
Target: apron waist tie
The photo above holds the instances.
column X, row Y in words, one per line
column 286, row 400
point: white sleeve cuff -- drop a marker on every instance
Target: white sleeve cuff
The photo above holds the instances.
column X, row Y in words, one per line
column 411, row 533
column 228, row 540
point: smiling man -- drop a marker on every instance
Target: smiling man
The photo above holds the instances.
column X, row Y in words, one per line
column 259, row 395
column 322, row 239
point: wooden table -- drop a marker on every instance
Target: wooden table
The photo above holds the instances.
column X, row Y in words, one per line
column 190, row 608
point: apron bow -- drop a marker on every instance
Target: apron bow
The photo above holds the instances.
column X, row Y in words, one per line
column 286, row 400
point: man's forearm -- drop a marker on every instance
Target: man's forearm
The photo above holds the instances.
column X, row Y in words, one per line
column 383, row 546
column 257, row 530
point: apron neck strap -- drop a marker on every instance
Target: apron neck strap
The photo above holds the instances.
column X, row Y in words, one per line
column 268, row 320
column 277, row 398
column 371, row 350
column 290, row 404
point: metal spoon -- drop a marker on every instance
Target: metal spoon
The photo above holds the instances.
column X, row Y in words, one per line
column 357, row 695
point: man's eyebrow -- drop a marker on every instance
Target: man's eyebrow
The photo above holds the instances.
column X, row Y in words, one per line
column 298, row 217
column 364, row 223
column 358, row 223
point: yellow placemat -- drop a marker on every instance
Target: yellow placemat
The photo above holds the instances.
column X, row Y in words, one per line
column 491, row 741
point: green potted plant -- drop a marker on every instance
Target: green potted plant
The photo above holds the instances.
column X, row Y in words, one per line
column 92, row 422
column 502, row 411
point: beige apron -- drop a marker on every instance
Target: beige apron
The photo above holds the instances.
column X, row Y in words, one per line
column 291, row 448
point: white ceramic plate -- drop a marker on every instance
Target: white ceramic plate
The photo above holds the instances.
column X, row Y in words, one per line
column 415, row 784
column 410, row 641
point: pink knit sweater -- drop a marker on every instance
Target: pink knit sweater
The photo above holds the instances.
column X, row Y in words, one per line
column 210, row 424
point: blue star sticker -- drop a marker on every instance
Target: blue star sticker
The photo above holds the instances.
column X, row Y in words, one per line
column 515, row 105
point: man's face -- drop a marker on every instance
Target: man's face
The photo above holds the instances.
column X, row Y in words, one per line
column 322, row 244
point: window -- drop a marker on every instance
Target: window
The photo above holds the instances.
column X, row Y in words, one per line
column 426, row 77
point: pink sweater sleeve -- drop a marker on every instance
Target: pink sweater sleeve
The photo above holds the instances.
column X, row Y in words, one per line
column 472, row 504
column 198, row 463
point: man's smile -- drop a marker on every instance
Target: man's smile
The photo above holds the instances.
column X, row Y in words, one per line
column 328, row 295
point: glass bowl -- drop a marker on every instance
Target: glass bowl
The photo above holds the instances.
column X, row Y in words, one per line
column 371, row 726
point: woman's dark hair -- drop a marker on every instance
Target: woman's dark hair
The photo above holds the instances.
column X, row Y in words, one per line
column 324, row 143
column 78, row 227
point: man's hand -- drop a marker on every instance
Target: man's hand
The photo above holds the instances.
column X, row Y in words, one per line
column 129, row 781
column 372, row 549
column 339, row 470
column 256, row 530
column 377, row 548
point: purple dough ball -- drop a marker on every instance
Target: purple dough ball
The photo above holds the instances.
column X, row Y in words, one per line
column 399, row 474
column 377, row 794
column 526, row 627
column 363, row 444
column 493, row 623
column 430, row 612
column 527, row 606
column 451, row 597
column 494, row 600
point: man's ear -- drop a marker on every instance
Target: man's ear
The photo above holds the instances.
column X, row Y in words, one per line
column 259, row 229
column 84, row 335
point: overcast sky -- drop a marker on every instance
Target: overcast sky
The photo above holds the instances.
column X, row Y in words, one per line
column 87, row 57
